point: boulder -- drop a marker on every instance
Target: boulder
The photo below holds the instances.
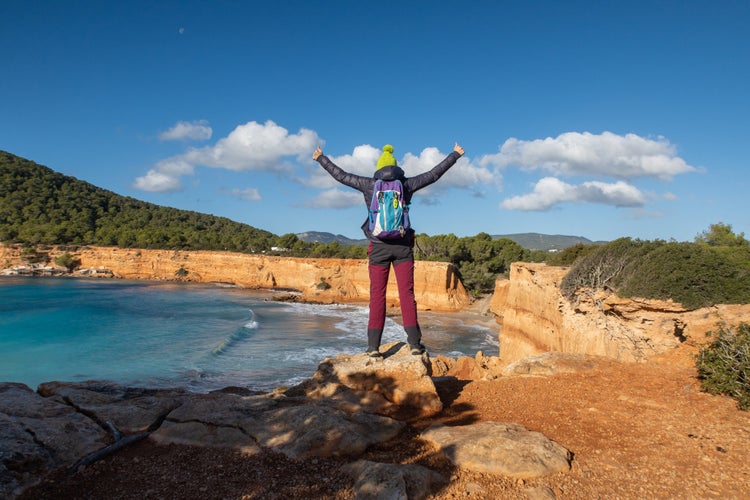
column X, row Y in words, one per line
column 399, row 384
column 499, row 448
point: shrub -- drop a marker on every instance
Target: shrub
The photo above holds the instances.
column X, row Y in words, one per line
column 323, row 284
column 67, row 261
column 692, row 274
column 30, row 255
column 602, row 269
column 724, row 364
column 695, row 275
column 181, row 272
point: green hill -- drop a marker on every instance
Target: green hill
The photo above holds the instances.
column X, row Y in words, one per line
column 41, row 206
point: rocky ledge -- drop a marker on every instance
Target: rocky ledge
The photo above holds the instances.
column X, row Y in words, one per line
column 350, row 403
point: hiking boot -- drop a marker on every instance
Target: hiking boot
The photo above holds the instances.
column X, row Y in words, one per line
column 374, row 353
column 417, row 349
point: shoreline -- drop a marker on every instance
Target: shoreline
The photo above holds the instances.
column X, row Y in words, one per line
column 324, row 280
column 470, row 322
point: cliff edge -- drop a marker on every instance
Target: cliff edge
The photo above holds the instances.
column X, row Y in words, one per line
column 536, row 318
column 436, row 284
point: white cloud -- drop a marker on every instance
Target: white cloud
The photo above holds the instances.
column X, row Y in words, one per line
column 249, row 147
column 550, row 191
column 338, row 198
column 188, row 131
column 249, row 194
column 157, row 182
column 165, row 177
column 586, row 154
column 255, row 147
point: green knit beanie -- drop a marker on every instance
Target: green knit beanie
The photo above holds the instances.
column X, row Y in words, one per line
column 386, row 159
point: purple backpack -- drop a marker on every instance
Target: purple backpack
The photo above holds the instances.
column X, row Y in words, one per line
column 389, row 213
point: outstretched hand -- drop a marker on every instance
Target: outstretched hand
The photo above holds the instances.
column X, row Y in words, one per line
column 458, row 149
column 317, row 153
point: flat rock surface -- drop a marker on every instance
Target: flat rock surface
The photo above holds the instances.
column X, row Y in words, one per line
column 499, row 448
column 551, row 363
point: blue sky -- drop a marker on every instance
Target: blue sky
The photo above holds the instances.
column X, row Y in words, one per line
column 599, row 119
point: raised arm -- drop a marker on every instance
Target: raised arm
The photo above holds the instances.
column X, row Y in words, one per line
column 357, row 182
column 423, row 180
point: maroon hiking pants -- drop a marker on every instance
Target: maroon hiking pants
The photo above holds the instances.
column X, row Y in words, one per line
column 381, row 257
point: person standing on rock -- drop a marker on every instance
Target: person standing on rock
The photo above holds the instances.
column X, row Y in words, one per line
column 398, row 251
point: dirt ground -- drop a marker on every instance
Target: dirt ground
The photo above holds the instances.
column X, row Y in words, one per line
column 635, row 430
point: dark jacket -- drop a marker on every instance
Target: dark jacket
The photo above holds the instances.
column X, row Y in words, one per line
column 365, row 184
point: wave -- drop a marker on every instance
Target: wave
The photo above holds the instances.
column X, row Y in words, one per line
column 353, row 321
column 237, row 336
column 313, row 355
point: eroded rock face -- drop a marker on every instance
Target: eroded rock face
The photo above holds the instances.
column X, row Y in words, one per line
column 536, row 318
column 436, row 284
column 480, row 367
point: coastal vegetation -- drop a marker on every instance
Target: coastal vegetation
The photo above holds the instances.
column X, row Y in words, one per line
column 724, row 364
column 479, row 259
column 714, row 269
column 67, row 261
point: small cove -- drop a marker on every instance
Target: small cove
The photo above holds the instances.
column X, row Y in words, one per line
column 197, row 336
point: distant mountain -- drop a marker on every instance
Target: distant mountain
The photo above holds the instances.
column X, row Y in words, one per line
column 325, row 238
column 545, row 242
column 531, row 241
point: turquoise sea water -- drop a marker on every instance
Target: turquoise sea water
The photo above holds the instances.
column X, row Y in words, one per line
column 201, row 337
